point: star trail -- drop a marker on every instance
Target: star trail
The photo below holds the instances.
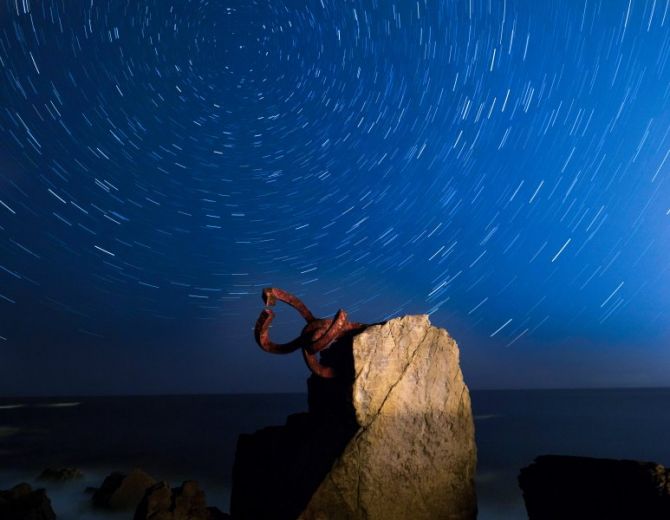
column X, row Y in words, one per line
column 501, row 165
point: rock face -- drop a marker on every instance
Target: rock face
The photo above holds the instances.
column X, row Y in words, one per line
column 122, row 492
column 394, row 440
column 557, row 487
column 22, row 503
column 186, row 502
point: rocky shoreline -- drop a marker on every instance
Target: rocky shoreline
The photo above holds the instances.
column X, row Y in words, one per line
column 393, row 438
column 135, row 493
column 554, row 487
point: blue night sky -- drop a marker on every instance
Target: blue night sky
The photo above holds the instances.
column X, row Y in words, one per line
column 501, row 165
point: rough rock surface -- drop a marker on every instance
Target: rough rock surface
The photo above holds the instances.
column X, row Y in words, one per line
column 559, row 487
column 60, row 474
column 22, row 503
column 395, row 440
column 186, row 502
column 414, row 454
column 122, row 492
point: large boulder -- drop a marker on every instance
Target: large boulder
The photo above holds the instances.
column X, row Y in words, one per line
column 393, row 437
column 186, row 502
column 122, row 492
column 23, row 503
column 557, row 487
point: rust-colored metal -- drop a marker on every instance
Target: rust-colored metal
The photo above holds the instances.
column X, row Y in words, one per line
column 316, row 336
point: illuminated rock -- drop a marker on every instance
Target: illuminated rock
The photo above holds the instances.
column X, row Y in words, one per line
column 395, row 440
column 414, row 454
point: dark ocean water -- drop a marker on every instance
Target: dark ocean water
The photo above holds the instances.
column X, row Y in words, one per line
column 193, row 437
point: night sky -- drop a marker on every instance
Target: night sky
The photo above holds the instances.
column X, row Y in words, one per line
column 501, row 165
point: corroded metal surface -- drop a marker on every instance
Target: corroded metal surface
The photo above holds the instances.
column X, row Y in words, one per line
column 316, row 336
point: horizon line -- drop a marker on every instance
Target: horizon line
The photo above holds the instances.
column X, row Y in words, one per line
column 212, row 394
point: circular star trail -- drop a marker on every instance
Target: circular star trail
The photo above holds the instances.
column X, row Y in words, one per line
column 500, row 165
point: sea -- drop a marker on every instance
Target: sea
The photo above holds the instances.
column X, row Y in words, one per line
column 193, row 437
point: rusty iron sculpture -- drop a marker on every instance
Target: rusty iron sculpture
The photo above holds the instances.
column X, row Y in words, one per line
column 316, row 336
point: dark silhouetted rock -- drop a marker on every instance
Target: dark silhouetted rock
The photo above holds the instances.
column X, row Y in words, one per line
column 60, row 474
column 122, row 492
column 186, row 502
column 559, row 487
column 156, row 502
column 22, row 503
column 394, row 440
column 216, row 514
column 278, row 469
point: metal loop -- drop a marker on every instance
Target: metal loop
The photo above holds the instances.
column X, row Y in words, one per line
column 316, row 336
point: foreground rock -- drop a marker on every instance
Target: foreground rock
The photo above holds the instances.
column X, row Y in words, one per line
column 186, row 502
column 558, row 487
column 23, row 503
column 395, row 439
column 60, row 474
column 122, row 492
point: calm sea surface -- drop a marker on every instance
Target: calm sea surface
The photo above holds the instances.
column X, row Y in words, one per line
column 193, row 437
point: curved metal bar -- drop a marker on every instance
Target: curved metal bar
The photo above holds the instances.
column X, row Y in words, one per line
column 272, row 294
column 330, row 334
column 316, row 336
column 262, row 335
column 316, row 367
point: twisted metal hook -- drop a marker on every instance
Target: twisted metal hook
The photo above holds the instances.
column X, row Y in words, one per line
column 317, row 335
